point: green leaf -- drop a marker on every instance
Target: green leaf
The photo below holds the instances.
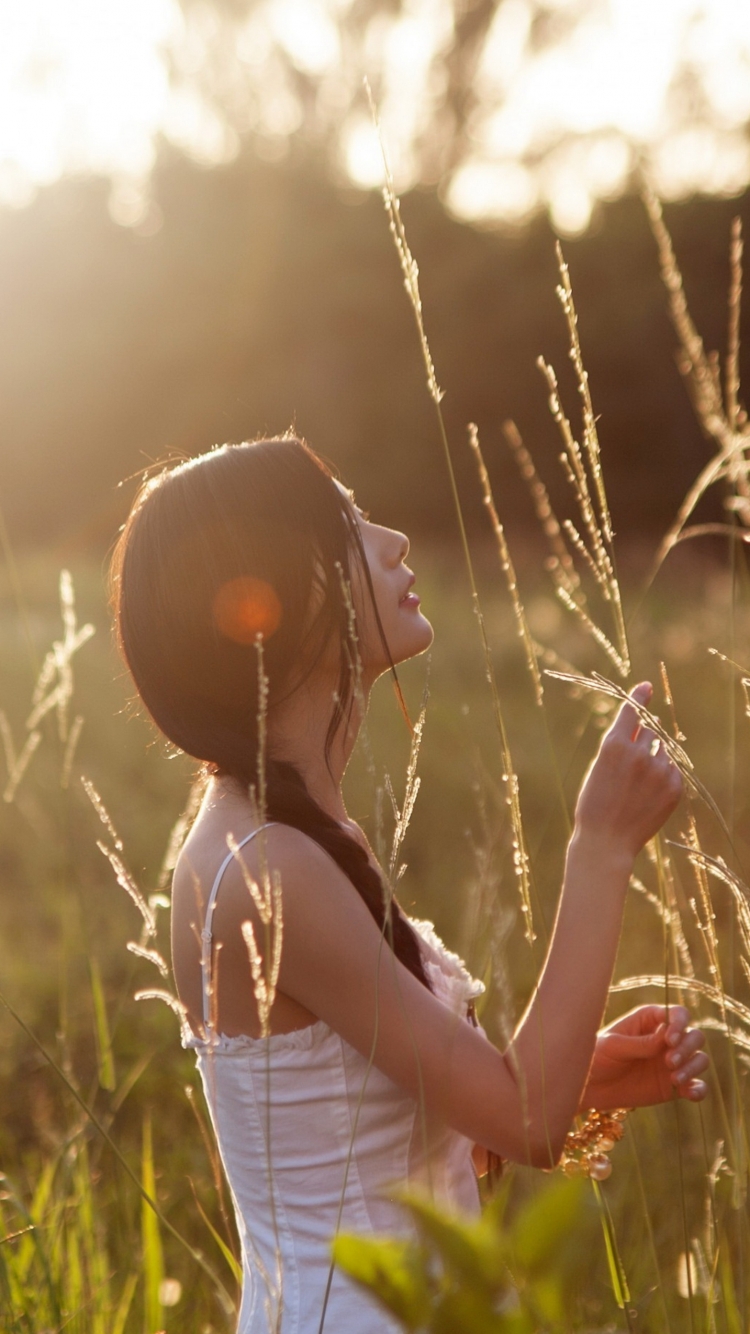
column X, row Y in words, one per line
column 231, row 1259
column 124, row 1304
column 105, row 1059
column 729, row 1293
column 471, row 1312
column 616, row 1271
column 544, row 1221
column 153, row 1258
column 394, row 1271
column 474, row 1251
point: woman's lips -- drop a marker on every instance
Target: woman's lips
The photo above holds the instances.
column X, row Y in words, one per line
column 409, row 600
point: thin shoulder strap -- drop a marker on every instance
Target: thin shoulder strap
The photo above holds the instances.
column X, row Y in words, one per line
column 207, row 934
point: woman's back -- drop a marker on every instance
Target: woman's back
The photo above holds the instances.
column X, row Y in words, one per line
column 314, row 1138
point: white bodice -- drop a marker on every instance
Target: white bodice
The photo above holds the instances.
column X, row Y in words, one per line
column 314, row 1142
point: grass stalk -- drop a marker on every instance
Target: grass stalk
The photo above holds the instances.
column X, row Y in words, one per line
column 195, row 1255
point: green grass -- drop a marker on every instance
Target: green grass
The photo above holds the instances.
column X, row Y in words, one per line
column 96, row 1252
column 113, row 1215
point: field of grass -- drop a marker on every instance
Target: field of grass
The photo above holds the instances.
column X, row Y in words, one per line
column 65, row 924
column 113, row 1217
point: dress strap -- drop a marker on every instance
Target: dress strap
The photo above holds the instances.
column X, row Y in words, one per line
column 207, row 934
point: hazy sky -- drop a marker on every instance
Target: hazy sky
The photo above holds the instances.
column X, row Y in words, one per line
column 87, row 85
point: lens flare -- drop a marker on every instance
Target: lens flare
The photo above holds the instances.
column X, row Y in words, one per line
column 245, row 608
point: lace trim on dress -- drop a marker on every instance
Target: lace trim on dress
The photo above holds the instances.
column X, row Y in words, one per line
column 450, row 978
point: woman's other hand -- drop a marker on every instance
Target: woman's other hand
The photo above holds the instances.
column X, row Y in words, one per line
column 647, row 1057
column 632, row 786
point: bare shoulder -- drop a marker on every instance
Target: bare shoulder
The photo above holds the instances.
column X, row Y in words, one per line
column 275, row 854
column 335, row 965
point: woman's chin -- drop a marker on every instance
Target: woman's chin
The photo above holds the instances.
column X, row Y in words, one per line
column 418, row 640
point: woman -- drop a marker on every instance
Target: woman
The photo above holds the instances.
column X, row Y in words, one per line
column 369, row 1075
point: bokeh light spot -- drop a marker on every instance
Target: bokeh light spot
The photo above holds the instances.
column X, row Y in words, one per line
column 245, row 608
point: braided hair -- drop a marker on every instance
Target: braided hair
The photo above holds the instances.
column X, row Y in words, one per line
column 248, row 540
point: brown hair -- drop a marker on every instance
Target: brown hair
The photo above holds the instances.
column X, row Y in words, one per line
column 266, row 516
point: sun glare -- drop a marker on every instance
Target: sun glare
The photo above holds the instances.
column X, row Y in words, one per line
column 565, row 103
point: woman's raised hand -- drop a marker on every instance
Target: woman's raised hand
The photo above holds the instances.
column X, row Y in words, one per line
column 632, row 786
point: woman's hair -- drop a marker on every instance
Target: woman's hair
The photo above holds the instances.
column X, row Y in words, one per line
column 245, row 541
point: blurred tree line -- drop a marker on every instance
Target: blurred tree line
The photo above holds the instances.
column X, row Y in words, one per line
column 258, row 296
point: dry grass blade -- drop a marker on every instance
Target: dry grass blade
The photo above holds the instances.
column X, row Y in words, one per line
column 264, row 969
column 703, row 909
column 53, row 700
column 717, row 867
column 744, row 676
column 592, row 539
column 21, row 765
column 126, row 881
column 677, row 755
column 507, row 566
column 6, row 736
column 579, row 465
column 695, row 364
column 669, row 914
column 404, row 814
column 180, row 828
column 669, row 701
column 735, row 1035
column 409, row 268
column 560, row 563
column 723, row 421
column 714, row 471
column 70, row 749
column 621, row 665
column 151, row 956
column 175, row 1005
column 732, row 370
column 102, row 812
column 408, row 263
column 259, row 893
column 574, row 468
column 590, row 436
column 694, row 984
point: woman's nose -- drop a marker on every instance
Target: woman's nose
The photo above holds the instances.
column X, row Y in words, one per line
column 400, row 546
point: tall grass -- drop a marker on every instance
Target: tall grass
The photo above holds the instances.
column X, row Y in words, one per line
column 112, row 1212
column 590, row 542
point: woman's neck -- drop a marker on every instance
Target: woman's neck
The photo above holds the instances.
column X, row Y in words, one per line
column 298, row 733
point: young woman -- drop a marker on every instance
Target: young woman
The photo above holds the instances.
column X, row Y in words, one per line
column 371, row 1075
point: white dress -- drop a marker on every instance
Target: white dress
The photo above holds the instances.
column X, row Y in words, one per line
column 312, row 1143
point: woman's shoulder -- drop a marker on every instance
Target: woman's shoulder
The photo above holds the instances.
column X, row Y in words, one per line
column 228, row 835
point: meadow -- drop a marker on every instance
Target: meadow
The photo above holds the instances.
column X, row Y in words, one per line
column 102, row 1116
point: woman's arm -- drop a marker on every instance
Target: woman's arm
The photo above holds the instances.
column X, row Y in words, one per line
column 519, row 1103
column 626, row 797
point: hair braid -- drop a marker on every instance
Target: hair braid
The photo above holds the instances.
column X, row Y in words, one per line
column 289, row 802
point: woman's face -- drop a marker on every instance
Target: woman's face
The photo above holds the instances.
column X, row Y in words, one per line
column 406, row 630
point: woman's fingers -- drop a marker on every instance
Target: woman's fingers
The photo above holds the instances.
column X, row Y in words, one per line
column 691, row 1041
column 696, row 1091
column 686, row 1059
column 678, row 1018
column 627, row 722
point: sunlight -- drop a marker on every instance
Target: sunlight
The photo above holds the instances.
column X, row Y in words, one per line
column 567, row 99
column 617, row 83
column 82, row 87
